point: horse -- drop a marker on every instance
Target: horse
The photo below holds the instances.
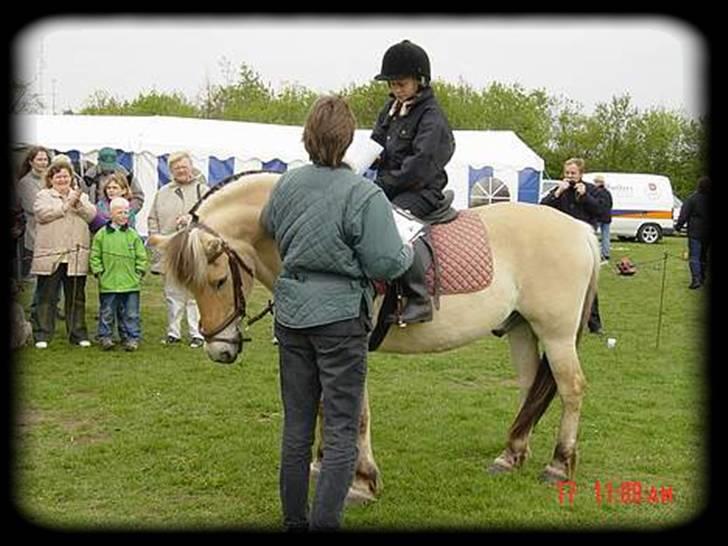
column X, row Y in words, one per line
column 546, row 269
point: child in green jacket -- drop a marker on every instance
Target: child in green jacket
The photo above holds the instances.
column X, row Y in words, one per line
column 119, row 261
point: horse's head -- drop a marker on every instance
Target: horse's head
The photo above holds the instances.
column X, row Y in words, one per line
column 219, row 277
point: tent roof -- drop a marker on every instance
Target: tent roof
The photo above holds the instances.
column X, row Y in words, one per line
column 161, row 135
column 223, row 139
column 505, row 148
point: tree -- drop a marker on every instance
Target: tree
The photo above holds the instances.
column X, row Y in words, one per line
column 23, row 100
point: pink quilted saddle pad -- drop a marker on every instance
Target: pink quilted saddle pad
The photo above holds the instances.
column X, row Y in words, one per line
column 463, row 252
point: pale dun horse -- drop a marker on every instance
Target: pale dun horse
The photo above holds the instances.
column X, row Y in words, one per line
column 546, row 267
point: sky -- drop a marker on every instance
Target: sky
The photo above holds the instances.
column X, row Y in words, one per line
column 659, row 60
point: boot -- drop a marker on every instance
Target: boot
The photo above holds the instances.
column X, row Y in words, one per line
column 414, row 286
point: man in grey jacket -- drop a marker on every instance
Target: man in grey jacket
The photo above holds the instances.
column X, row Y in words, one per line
column 335, row 232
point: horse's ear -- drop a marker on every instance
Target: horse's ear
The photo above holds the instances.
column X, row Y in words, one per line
column 213, row 248
column 158, row 241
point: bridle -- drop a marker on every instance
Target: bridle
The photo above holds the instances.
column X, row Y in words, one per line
column 236, row 264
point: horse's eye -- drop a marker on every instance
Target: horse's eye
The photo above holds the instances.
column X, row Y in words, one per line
column 220, row 283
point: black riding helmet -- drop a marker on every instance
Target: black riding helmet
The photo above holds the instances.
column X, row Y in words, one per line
column 403, row 60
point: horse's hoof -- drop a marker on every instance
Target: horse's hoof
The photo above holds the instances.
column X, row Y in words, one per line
column 357, row 496
column 552, row 476
column 498, row 467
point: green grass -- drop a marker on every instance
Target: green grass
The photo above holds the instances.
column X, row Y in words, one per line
column 166, row 439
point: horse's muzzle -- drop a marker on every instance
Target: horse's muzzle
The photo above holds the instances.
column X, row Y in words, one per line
column 224, row 350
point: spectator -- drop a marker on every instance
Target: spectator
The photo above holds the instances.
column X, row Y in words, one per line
column 418, row 143
column 167, row 214
column 61, row 255
column 578, row 198
column 119, row 261
column 116, row 186
column 604, row 219
column 96, row 177
column 323, row 308
column 694, row 212
column 17, row 232
column 77, row 178
column 30, row 182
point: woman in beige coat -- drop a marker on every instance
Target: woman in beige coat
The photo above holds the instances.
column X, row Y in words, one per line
column 61, row 254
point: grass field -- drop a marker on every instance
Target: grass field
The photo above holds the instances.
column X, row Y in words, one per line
column 165, row 439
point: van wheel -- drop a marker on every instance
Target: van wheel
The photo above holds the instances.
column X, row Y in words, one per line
column 649, row 234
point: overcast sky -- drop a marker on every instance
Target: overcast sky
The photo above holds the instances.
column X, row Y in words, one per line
column 658, row 60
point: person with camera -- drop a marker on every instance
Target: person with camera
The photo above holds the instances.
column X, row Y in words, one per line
column 581, row 200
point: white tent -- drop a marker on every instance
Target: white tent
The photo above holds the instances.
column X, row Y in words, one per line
column 487, row 166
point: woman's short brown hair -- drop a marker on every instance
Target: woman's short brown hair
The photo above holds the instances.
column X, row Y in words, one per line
column 329, row 130
column 57, row 167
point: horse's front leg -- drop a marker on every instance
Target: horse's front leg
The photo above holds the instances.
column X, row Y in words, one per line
column 367, row 482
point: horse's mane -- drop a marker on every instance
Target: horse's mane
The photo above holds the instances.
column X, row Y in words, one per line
column 185, row 256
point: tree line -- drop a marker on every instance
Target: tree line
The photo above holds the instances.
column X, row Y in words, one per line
column 617, row 136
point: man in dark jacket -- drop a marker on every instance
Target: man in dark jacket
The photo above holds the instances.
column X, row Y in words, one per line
column 604, row 219
column 695, row 212
column 579, row 199
column 418, row 143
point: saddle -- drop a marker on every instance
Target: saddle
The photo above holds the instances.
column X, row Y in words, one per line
column 456, row 257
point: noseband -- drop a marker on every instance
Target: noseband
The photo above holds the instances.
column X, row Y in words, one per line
column 236, row 264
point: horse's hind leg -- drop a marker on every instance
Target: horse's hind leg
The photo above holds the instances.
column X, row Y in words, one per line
column 571, row 383
column 367, row 482
column 524, row 355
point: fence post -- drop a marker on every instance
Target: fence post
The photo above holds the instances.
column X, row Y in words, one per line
column 662, row 299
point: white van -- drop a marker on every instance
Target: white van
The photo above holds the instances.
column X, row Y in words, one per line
column 642, row 205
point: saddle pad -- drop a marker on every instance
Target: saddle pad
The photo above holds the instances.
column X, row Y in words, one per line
column 463, row 252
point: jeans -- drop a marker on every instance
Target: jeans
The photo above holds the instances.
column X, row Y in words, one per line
column 698, row 259
column 604, row 230
column 123, row 308
column 43, row 313
column 312, row 365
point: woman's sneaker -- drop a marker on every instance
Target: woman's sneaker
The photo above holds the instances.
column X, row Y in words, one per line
column 41, row 344
column 106, row 344
column 84, row 343
column 130, row 345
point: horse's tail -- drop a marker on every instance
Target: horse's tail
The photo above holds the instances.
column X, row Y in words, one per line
column 591, row 290
column 537, row 400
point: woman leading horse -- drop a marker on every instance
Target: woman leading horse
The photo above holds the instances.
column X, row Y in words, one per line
column 533, row 250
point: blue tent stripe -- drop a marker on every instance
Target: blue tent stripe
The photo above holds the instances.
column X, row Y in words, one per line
column 125, row 159
column 528, row 186
column 475, row 175
column 275, row 165
column 162, row 170
column 218, row 170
